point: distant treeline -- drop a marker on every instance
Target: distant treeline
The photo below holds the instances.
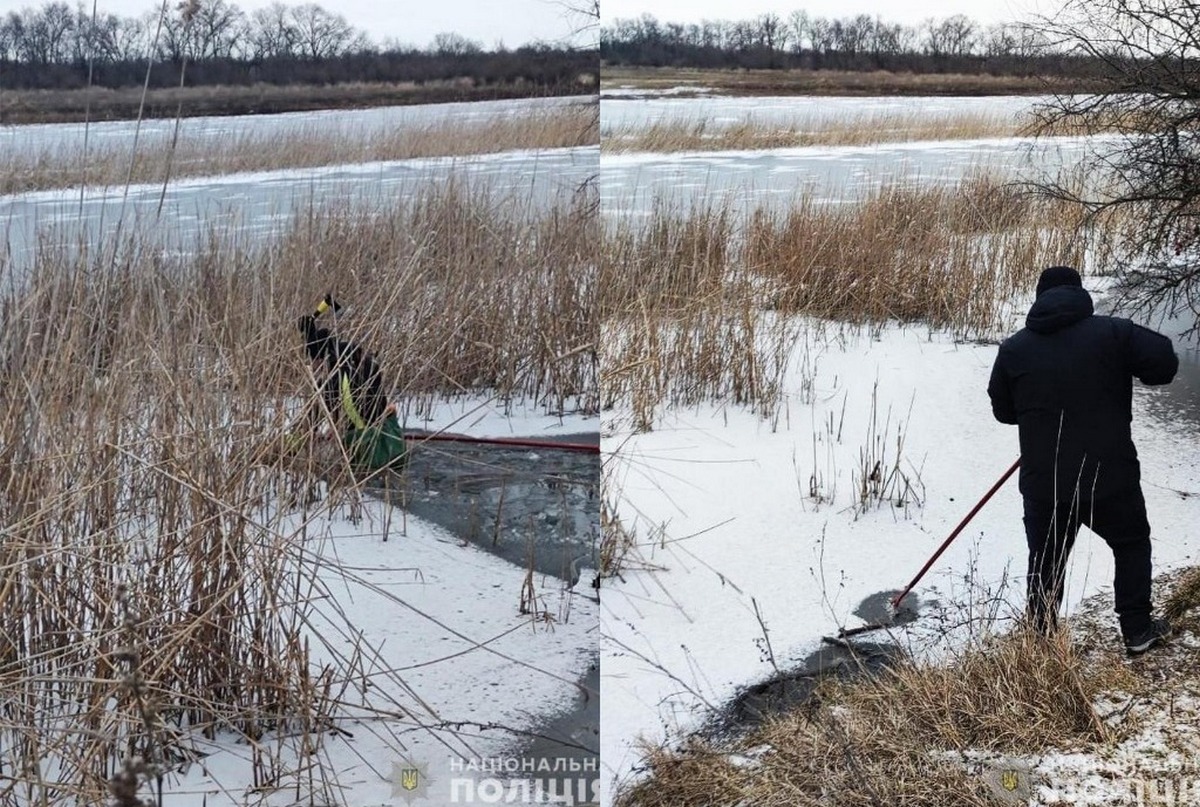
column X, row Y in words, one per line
column 954, row 44
column 55, row 46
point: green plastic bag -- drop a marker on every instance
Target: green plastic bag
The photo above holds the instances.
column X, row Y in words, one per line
column 377, row 447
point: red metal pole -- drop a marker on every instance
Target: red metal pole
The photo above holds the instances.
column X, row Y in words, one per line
column 957, row 530
column 516, row 442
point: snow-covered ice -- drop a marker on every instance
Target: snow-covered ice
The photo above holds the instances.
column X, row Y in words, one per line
column 723, row 505
column 454, row 671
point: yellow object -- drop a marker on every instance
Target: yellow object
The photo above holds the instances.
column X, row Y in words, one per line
column 322, row 307
column 348, row 404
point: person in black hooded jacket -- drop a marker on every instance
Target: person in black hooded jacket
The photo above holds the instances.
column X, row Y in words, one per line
column 353, row 385
column 354, row 396
column 1066, row 381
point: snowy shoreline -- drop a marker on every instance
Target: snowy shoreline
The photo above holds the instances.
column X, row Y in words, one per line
column 725, row 507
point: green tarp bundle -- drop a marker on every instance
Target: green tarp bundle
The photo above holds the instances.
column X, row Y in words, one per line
column 374, row 448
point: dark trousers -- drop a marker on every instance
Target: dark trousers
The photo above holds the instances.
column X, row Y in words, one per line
column 1050, row 531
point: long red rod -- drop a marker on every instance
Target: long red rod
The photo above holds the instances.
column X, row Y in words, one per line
column 507, row 441
column 962, row 525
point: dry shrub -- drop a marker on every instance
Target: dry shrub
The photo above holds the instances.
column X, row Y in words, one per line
column 894, row 738
column 695, row 776
column 1185, row 594
column 142, row 501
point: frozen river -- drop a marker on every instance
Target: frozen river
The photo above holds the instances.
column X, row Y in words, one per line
column 254, row 206
column 616, row 113
column 632, row 183
column 68, row 138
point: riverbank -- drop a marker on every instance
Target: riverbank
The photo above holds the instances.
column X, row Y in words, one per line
column 618, row 82
column 1007, row 719
column 103, row 104
column 756, row 538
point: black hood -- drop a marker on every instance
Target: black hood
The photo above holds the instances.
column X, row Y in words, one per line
column 1058, row 307
column 317, row 341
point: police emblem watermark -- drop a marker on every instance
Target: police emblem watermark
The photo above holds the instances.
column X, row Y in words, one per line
column 1009, row 780
column 410, row 782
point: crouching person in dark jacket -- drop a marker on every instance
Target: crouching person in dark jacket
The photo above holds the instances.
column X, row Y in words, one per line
column 353, row 394
column 1066, row 382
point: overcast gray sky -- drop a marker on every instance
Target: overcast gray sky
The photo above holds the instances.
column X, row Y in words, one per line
column 902, row 11
column 414, row 22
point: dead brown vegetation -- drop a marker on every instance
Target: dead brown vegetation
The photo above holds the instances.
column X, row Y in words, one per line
column 301, row 148
column 154, row 572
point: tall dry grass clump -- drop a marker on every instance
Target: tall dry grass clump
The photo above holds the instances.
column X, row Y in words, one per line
column 704, row 304
column 134, row 510
column 1185, row 595
column 300, row 147
column 953, row 257
column 909, row 735
column 682, row 322
column 154, row 586
column 705, row 134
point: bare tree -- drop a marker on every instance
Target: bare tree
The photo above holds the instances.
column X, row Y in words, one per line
column 798, row 29
column 1143, row 54
column 453, row 44
column 43, row 36
column 772, row 33
column 272, row 32
column 1001, row 39
column 583, row 16
column 10, row 34
column 953, row 36
column 127, row 40
column 740, row 35
column 891, row 38
column 853, row 35
column 175, row 38
column 60, row 25
column 218, row 29
column 820, row 32
column 711, row 34
column 320, row 34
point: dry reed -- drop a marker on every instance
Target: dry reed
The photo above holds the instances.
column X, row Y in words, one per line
column 152, row 591
column 699, row 305
column 303, row 147
column 1185, row 596
column 682, row 320
column 860, row 130
column 899, row 737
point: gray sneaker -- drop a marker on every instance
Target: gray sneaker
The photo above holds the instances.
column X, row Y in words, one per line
column 1157, row 634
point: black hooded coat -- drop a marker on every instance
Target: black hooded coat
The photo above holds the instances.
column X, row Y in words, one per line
column 1066, row 381
column 349, row 361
